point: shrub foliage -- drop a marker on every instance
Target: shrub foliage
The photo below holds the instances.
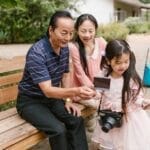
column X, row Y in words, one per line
column 113, row 31
column 137, row 25
column 29, row 21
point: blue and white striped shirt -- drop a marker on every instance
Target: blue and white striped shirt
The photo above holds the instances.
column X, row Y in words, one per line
column 43, row 64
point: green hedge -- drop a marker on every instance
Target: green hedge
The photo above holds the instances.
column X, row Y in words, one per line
column 137, row 25
column 26, row 24
column 113, row 31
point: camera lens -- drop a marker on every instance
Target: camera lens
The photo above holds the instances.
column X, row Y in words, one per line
column 106, row 127
column 109, row 124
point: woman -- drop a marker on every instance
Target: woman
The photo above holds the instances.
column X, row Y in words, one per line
column 86, row 52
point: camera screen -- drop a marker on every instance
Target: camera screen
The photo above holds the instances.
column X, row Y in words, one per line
column 102, row 83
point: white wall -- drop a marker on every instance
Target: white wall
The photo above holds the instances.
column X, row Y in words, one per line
column 101, row 9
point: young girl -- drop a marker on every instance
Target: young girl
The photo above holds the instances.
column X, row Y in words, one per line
column 124, row 96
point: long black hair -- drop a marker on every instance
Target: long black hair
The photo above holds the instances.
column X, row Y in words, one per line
column 77, row 39
column 116, row 48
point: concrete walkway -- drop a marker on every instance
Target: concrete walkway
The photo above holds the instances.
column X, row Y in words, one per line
column 140, row 44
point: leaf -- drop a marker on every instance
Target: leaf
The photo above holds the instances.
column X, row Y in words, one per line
column 145, row 1
column 8, row 3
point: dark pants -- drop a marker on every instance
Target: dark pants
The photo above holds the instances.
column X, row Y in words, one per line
column 65, row 131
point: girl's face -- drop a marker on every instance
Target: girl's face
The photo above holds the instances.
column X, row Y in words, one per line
column 86, row 32
column 119, row 65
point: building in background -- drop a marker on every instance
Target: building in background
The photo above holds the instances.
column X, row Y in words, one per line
column 107, row 11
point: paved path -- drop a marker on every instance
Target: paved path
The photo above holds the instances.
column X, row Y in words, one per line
column 138, row 43
column 11, row 50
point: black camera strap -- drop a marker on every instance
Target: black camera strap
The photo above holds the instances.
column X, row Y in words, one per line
column 101, row 98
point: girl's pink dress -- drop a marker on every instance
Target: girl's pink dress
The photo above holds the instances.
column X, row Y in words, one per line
column 134, row 134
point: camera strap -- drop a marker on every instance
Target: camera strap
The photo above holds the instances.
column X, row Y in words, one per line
column 101, row 98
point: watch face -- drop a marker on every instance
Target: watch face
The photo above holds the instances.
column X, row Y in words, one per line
column 102, row 83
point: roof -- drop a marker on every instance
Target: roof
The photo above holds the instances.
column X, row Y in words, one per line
column 136, row 3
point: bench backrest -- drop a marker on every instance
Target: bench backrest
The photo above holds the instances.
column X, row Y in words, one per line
column 10, row 74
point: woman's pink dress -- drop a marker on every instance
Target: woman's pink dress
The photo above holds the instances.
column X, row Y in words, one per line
column 79, row 78
column 134, row 134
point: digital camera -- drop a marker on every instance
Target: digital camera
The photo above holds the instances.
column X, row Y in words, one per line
column 110, row 119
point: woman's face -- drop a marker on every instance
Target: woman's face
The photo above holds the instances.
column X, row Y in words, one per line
column 86, row 32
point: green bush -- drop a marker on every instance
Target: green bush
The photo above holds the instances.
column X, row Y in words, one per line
column 148, row 26
column 26, row 24
column 136, row 25
column 113, row 31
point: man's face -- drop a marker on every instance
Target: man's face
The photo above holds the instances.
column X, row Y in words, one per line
column 62, row 34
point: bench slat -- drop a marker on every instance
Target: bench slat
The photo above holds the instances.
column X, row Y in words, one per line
column 10, row 79
column 16, row 63
column 27, row 142
column 16, row 134
column 11, row 122
column 8, row 94
column 7, row 113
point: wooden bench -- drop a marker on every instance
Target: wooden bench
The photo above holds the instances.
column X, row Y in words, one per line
column 16, row 133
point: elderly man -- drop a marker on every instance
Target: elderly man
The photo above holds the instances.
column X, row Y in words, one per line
column 42, row 92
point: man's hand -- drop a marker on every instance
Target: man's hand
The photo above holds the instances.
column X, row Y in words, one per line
column 86, row 92
column 72, row 108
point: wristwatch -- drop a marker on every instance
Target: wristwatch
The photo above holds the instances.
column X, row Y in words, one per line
column 68, row 100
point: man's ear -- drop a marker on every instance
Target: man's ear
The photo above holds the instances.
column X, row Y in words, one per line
column 50, row 30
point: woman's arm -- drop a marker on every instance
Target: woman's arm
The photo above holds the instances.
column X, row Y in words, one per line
column 77, row 67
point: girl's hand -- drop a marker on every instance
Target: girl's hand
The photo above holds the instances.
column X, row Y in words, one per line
column 146, row 104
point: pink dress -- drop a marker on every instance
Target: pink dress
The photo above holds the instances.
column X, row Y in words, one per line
column 79, row 78
column 134, row 134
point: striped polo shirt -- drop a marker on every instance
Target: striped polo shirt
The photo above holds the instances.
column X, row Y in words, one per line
column 43, row 64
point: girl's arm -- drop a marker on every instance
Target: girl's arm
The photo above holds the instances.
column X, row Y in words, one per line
column 140, row 100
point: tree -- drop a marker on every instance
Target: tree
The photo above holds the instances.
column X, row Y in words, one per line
column 25, row 21
column 145, row 1
column 11, row 3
